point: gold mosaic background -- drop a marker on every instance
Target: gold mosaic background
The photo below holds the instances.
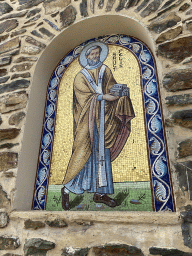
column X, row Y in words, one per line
column 132, row 163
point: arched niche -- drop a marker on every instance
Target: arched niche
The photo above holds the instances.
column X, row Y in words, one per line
column 59, row 47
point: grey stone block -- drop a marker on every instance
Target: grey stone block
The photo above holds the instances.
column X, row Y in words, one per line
column 8, row 146
column 184, row 7
column 26, row 4
column 33, row 19
column 4, row 79
column 8, row 161
column 152, row 7
column 15, row 119
column 184, row 174
column 83, row 8
column 68, row 16
column 8, row 25
column 14, row 15
column 178, row 80
column 5, row 8
column 21, row 67
column 109, row 5
column 4, row 219
column 31, row 50
column 167, row 252
column 9, row 134
column 15, row 85
column 37, row 246
column 176, row 50
column 46, row 32
column 55, row 5
column 57, row 223
column 23, row 58
column 166, row 21
column 183, row 118
column 33, row 12
column 142, row 5
column 4, row 200
column 5, row 60
column 31, row 224
column 19, row 32
column 23, row 75
column 10, row 45
column 77, row 252
column 170, row 34
column 12, row 102
column 187, row 234
column 185, row 148
column 117, row 249
column 35, row 33
column 179, row 100
column 9, row 243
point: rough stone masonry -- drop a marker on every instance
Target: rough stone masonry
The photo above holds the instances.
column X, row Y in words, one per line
column 26, row 29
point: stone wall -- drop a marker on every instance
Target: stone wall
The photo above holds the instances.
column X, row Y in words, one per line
column 26, row 29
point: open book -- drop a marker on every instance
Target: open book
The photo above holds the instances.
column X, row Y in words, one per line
column 120, row 90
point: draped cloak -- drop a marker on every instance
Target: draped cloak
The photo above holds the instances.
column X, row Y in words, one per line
column 86, row 109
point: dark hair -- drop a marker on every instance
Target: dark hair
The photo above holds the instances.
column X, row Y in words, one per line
column 93, row 48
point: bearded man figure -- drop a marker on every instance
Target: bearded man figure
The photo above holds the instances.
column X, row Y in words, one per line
column 101, row 127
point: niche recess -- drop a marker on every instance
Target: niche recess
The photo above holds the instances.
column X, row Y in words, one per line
column 59, row 47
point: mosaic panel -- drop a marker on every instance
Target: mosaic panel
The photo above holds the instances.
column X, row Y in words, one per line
column 103, row 144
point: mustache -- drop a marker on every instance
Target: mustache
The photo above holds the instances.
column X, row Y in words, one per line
column 93, row 62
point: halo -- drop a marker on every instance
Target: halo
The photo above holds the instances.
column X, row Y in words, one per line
column 103, row 55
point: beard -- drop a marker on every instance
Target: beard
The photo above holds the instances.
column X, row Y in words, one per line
column 93, row 62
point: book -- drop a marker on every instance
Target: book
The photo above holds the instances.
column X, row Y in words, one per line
column 120, row 90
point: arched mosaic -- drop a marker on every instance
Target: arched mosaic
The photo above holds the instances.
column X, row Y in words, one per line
column 103, row 142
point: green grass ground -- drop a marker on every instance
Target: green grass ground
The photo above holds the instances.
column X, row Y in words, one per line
column 124, row 195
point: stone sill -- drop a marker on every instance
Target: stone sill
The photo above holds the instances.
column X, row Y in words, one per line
column 155, row 218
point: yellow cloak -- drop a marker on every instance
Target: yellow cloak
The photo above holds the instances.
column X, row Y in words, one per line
column 86, row 109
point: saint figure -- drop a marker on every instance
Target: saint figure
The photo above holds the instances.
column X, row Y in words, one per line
column 101, row 127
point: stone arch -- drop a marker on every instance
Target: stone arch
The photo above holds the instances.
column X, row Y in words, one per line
column 63, row 43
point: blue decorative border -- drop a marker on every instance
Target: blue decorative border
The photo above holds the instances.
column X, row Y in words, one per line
column 160, row 174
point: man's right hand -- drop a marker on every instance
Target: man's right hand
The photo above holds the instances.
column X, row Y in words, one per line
column 110, row 97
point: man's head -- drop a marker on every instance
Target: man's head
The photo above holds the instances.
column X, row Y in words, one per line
column 93, row 55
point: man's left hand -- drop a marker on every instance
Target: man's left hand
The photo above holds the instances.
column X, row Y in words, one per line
column 110, row 97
